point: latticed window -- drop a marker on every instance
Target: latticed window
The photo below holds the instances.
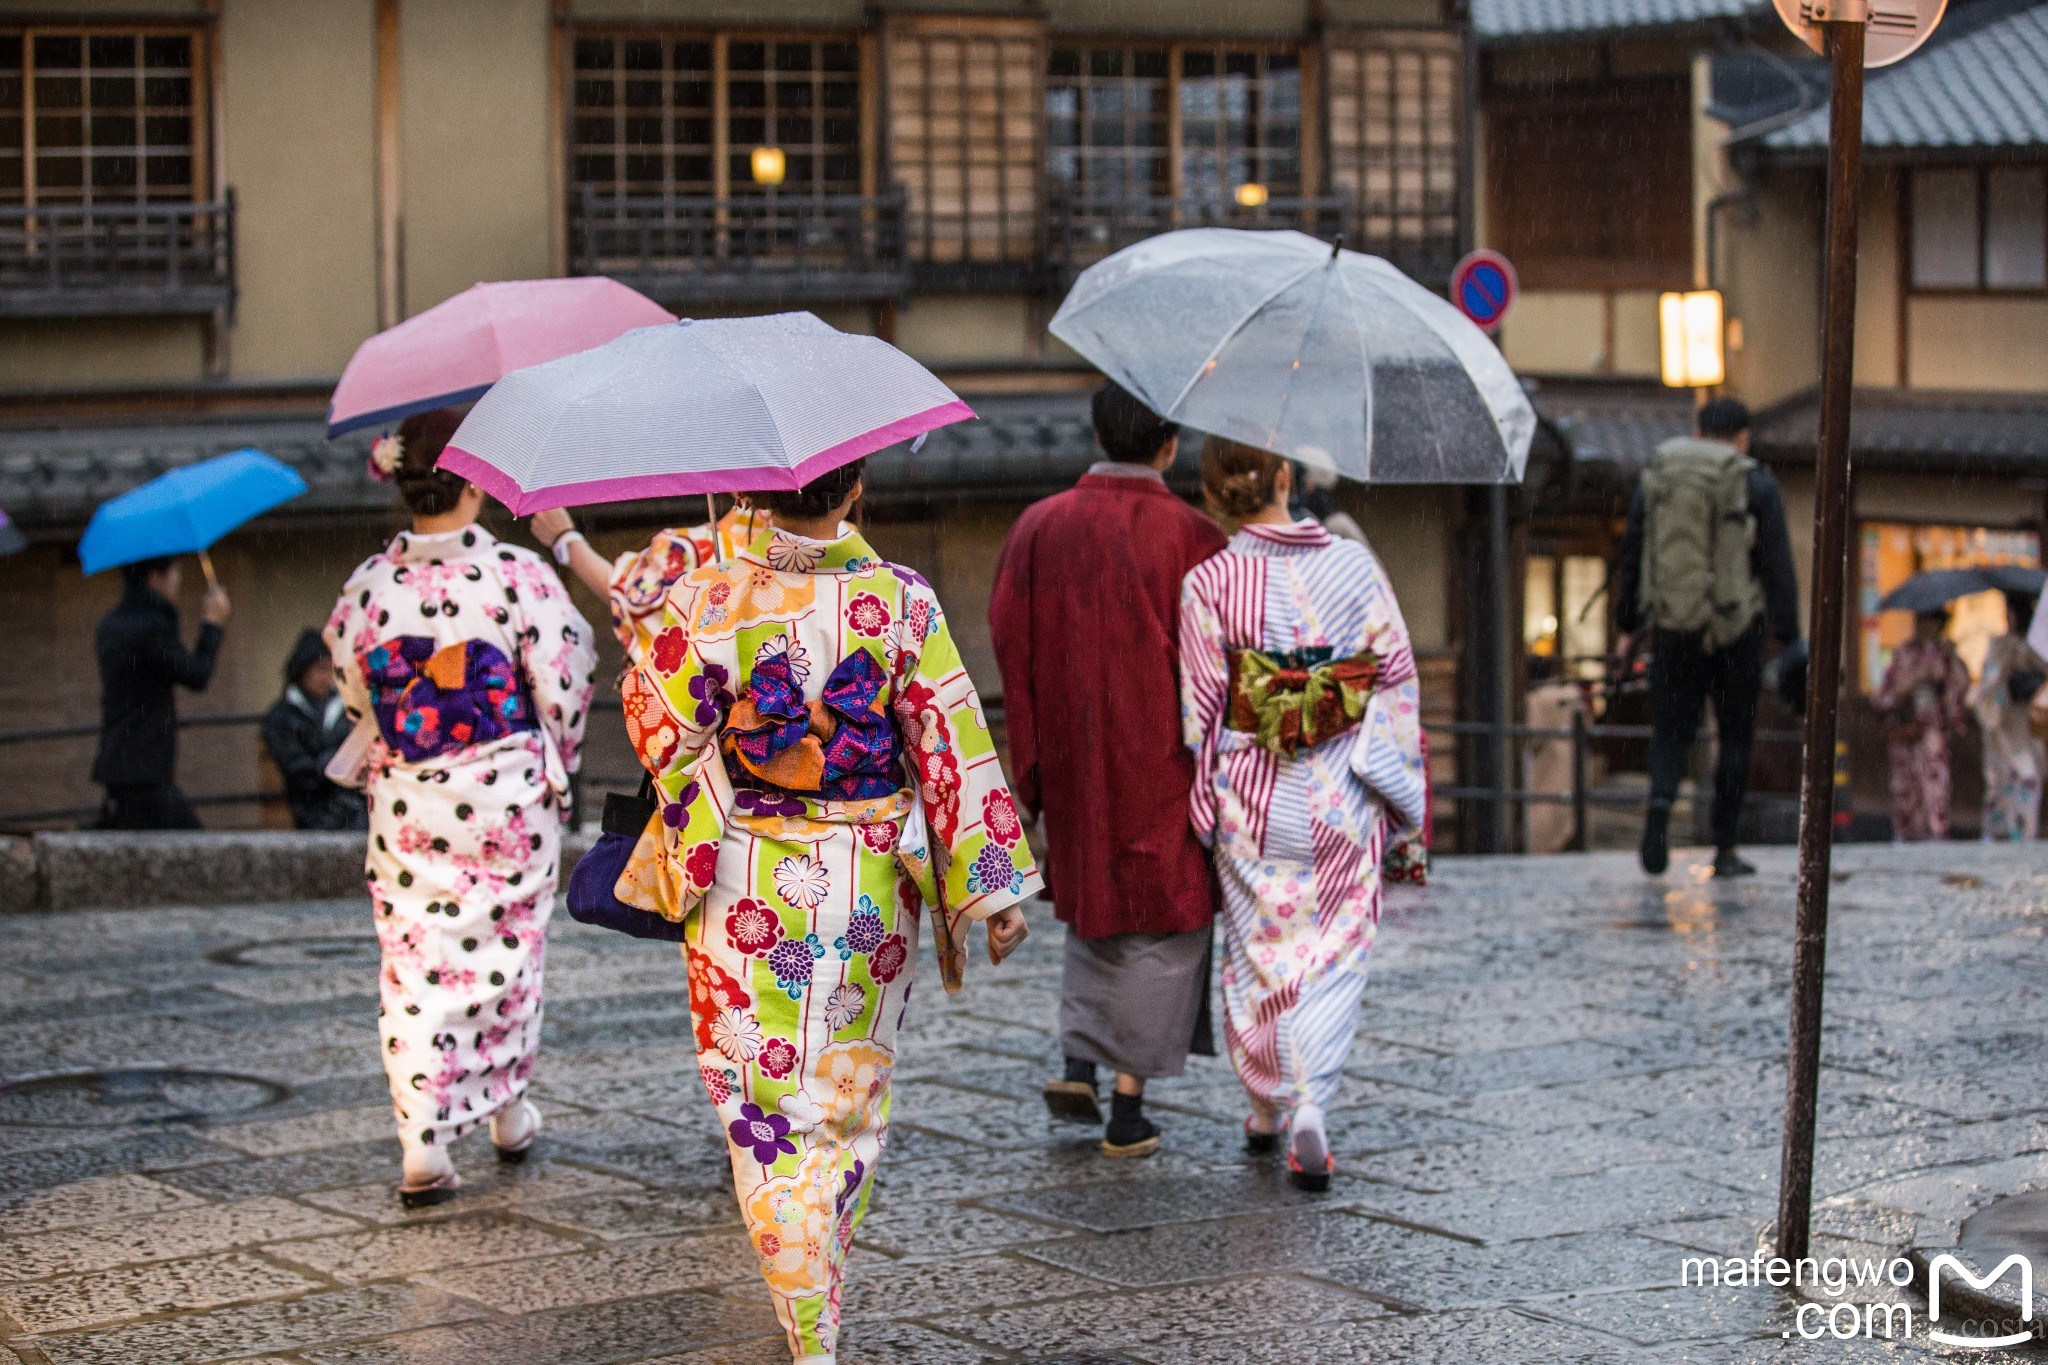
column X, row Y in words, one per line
column 682, row 114
column 90, row 116
column 964, row 136
column 1393, row 137
column 1183, row 120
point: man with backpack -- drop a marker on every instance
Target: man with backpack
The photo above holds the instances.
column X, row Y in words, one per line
column 1705, row 567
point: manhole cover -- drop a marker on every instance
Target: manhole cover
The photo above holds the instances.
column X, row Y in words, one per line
column 2017, row 1223
column 353, row 950
column 136, row 1095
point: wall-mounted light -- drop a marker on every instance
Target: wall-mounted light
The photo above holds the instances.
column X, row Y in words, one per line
column 769, row 165
column 1250, row 195
column 1690, row 339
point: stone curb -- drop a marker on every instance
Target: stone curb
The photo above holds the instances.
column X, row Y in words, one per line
column 96, row 870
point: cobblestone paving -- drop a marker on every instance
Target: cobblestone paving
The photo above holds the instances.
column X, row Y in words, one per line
column 1569, row 1079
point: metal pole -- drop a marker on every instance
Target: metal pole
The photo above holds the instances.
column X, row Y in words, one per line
column 1581, row 831
column 1503, row 662
column 1830, row 517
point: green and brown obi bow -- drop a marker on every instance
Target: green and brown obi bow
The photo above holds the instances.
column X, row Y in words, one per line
column 1296, row 699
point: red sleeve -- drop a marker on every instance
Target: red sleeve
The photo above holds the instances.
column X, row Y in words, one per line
column 1009, row 622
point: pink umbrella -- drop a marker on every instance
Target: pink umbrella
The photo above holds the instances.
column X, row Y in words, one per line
column 456, row 350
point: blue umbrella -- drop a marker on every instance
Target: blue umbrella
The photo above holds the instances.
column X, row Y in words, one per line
column 186, row 510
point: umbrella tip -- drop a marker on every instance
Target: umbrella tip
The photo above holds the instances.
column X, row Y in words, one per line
column 1337, row 246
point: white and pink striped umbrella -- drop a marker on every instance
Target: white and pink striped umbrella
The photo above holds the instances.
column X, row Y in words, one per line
column 453, row 352
column 725, row 405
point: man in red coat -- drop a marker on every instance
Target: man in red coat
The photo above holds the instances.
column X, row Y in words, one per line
column 1086, row 618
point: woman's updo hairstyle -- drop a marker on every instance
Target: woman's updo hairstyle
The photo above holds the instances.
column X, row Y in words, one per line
column 428, row 491
column 816, row 498
column 1239, row 478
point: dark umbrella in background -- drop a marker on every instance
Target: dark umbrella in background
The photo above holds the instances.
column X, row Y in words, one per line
column 1936, row 588
column 12, row 541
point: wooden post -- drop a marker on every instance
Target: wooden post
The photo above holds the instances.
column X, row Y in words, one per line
column 390, row 218
column 1830, row 517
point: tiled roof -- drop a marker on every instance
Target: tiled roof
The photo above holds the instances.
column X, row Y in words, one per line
column 1921, row 431
column 51, row 480
column 1524, row 19
column 1614, row 429
column 1984, row 84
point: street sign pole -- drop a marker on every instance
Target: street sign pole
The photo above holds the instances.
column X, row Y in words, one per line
column 1844, row 29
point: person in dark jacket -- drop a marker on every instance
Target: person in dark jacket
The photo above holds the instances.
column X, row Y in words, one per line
column 1685, row 673
column 302, row 732
column 141, row 659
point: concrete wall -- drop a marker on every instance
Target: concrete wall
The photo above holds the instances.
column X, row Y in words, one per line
column 1771, row 277
column 299, row 123
column 1877, row 281
column 474, row 133
column 1964, row 342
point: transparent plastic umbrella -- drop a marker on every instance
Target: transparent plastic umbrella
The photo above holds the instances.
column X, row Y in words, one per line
column 1326, row 356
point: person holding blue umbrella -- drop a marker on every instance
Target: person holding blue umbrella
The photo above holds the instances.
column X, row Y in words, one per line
column 143, row 660
column 142, row 655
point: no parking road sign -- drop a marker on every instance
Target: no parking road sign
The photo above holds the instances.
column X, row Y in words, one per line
column 1483, row 286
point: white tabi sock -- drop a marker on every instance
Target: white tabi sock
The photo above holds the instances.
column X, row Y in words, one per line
column 425, row 1165
column 514, row 1126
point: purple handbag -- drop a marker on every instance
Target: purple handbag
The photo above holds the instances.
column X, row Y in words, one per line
column 590, row 886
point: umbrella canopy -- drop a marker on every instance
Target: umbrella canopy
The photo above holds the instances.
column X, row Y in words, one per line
column 186, row 510
column 1329, row 357
column 12, row 541
column 1936, row 588
column 729, row 405
column 456, row 350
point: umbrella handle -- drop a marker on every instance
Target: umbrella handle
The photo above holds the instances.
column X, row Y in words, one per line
column 206, row 567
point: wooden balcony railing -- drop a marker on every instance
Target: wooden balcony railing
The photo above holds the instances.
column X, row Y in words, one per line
column 1083, row 228
column 69, row 260
column 793, row 247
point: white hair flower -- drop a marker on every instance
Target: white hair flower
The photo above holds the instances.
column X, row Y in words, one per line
column 386, row 454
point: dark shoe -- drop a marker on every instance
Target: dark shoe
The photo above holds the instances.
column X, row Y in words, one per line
column 426, row 1196
column 1258, row 1143
column 1657, row 838
column 1728, row 863
column 1073, row 1101
column 1130, row 1133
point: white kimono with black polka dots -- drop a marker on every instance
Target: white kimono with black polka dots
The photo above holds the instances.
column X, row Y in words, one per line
column 464, row 845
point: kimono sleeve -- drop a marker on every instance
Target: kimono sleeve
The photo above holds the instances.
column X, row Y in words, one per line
column 349, row 634
column 676, row 701
column 1387, row 754
column 981, row 861
column 559, row 658
column 641, row 579
column 1204, row 697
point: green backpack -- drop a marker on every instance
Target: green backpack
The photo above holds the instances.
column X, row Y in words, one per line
column 1697, row 534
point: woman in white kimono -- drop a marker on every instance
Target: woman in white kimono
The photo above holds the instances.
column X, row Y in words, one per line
column 469, row 675
column 1299, row 700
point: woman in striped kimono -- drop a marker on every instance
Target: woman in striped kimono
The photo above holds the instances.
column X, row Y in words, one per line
column 469, row 675
column 1299, row 700
column 824, row 775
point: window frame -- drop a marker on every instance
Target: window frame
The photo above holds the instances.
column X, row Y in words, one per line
column 202, row 131
column 722, row 146
column 1308, row 136
column 1981, row 171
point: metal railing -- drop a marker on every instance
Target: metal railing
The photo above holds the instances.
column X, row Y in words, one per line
column 1085, row 226
column 1581, row 796
column 743, row 248
column 59, row 260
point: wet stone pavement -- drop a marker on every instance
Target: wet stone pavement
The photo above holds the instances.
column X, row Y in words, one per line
column 1569, row 1080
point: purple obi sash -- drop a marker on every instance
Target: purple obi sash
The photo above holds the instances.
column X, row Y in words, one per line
column 434, row 700
column 842, row 747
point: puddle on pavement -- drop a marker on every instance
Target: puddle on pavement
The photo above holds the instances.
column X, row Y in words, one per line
column 131, row 1097
column 322, row 951
column 1683, row 910
column 2017, row 1223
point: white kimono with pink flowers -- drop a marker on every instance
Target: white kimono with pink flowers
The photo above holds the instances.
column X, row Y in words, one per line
column 469, row 674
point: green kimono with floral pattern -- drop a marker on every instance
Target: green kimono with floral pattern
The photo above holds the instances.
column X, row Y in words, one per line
column 825, row 777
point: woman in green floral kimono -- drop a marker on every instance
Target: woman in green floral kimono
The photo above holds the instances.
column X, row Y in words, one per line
column 824, row 775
